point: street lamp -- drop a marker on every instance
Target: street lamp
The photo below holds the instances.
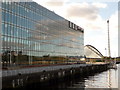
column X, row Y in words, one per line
column 105, row 51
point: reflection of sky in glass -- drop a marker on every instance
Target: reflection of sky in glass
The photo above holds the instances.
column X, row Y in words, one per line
column 38, row 31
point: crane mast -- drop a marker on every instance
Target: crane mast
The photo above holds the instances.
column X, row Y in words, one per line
column 109, row 53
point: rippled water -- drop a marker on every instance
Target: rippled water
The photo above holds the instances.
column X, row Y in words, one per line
column 106, row 79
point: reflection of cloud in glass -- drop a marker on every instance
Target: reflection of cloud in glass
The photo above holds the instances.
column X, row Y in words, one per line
column 49, row 33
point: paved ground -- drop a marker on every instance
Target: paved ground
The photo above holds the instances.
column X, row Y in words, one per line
column 40, row 69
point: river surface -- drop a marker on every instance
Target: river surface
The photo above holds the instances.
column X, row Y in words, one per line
column 104, row 80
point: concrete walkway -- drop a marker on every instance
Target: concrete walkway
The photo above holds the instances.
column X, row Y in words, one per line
column 39, row 69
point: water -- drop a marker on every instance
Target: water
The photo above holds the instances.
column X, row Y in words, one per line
column 107, row 79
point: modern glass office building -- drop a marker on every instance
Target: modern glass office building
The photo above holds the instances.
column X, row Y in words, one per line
column 32, row 34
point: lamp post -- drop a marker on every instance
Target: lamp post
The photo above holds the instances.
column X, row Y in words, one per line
column 105, row 51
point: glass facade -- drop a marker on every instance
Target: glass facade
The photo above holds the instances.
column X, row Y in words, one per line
column 0, row 47
column 32, row 34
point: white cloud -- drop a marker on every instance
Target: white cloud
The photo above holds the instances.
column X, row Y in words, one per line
column 57, row 6
column 82, row 10
column 86, row 15
column 114, row 21
column 114, row 33
column 55, row 3
column 50, row 4
column 99, row 5
column 98, row 37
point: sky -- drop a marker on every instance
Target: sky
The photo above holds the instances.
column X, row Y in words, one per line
column 91, row 15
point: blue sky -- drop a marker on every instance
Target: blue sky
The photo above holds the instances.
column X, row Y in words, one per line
column 112, row 8
column 92, row 16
